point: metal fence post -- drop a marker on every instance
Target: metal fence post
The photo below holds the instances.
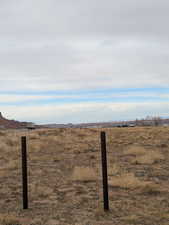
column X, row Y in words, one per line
column 24, row 173
column 104, row 170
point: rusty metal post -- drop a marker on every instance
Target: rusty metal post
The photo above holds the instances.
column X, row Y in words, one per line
column 24, row 173
column 104, row 171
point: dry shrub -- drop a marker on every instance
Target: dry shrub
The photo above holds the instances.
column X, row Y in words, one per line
column 35, row 146
column 41, row 158
column 50, row 132
column 46, row 158
column 12, row 164
column 135, row 150
column 40, row 190
column 143, row 156
column 85, row 174
column 163, row 215
column 33, row 136
column 9, row 220
column 131, row 219
column 11, row 141
column 3, row 173
column 149, row 158
column 3, row 147
column 114, row 170
column 81, row 147
column 39, row 221
column 2, row 133
column 128, row 181
column 151, row 189
column 100, row 213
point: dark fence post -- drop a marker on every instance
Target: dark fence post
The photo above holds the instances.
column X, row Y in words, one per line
column 104, row 171
column 24, row 173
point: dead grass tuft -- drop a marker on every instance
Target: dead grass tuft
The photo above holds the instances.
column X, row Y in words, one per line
column 150, row 189
column 2, row 133
column 114, row 170
column 9, row 220
column 33, row 136
column 35, row 146
column 131, row 219
column 135, row 150
column 128, row 181
column 11, row 165
column 85, row 174
column 3, row 147
column 41, row 191
column 149, row 158
column 11, row 141
column 143, row 156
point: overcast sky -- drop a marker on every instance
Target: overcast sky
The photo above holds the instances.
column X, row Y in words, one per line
column 84, row 61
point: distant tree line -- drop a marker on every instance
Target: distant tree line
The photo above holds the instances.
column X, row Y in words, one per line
column 149, row 121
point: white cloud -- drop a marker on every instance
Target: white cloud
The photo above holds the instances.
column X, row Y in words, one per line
column 18, row 98
column 51, row 45
column 79, row 45
column 85, row 112
column 4, row 98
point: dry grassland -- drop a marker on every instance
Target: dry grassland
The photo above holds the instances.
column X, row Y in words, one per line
column 65, row 177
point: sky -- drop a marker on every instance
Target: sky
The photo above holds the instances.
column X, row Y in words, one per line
column 82, row 61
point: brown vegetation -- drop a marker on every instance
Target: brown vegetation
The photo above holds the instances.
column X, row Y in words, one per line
column 64, row 169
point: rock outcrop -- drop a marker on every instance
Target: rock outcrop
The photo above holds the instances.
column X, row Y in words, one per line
column 11, row 124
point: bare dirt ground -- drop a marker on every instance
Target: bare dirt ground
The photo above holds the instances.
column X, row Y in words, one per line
column 64, row 168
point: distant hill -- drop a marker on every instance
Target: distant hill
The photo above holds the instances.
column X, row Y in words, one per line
column 142, row 122
column 11, row 124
